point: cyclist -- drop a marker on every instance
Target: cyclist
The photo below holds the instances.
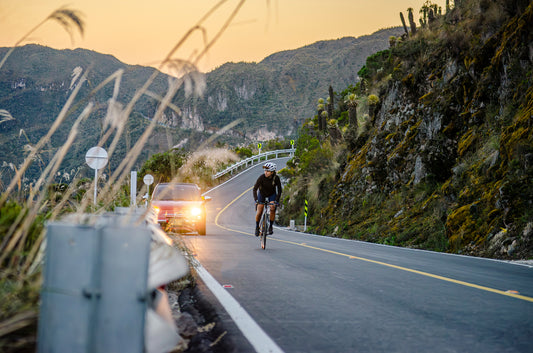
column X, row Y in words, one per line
column 269, row 187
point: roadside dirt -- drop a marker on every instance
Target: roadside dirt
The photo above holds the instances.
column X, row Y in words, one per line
column 198, row 323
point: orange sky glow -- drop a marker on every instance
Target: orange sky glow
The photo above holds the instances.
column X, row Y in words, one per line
column 143, row 32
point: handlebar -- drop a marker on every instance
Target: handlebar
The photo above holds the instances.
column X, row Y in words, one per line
column 267, row 203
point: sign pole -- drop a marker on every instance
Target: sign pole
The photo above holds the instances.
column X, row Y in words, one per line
column 96, row 158
column 305, row 216
column 148, row 180
column 95, row 183
column 133, row 189
column 292, row 148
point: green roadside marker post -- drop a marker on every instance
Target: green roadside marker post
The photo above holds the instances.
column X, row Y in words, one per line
column 259, row 145
column 305, row 216
column 292, row 147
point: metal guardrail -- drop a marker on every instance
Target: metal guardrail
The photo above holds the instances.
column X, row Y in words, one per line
column 101, row 274
column 251, row 160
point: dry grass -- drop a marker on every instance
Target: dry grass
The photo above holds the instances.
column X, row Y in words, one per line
column 201, row 165
column 5, row 116
column 15, row 256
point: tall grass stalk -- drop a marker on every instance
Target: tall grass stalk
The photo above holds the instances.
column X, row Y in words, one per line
column 56, row 162
column 68, row 18
column 19, row 262
column 5, row 116
column 19, row 236
column 45, row 139
column 184, row 68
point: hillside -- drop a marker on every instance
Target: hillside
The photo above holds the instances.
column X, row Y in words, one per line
column 35, row 84
column 441, row 157
column 275, row 95
column 271, row 97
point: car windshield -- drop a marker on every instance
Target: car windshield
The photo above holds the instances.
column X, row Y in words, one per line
column 176, row 193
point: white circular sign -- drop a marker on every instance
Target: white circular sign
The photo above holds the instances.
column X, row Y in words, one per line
column 96, row 158
column 148, row 179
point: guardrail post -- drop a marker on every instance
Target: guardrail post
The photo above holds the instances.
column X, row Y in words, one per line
column 94, row 293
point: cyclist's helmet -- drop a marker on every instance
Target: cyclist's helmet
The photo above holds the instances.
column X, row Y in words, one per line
column 271, row 167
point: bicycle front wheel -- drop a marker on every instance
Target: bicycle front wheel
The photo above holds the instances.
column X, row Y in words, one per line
column 264, row 229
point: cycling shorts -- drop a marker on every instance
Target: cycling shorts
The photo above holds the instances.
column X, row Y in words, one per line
column 270, row 198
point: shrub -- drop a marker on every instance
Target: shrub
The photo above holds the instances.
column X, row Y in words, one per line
column 164, row 166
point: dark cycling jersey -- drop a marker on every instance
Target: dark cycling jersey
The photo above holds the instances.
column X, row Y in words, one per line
column 268, row 186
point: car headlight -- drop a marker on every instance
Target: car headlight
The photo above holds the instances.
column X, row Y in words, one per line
column 196, row 211
column 156, row 209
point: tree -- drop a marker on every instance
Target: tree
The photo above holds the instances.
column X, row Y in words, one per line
column 320, row 110
column 324, row 119
column 392, row 41
column 411, row 21
column 331, row 102
column 403, row 23
column 424, row 11
column 335, row 134
column 164, row 166
column 351, row 102
column 373, row 102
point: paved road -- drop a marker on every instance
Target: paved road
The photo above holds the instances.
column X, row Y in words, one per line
column 320, row 294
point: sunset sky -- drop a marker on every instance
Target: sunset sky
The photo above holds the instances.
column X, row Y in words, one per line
column 143, row 32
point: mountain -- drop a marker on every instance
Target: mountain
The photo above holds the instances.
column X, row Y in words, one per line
column 275, row 95
column 35, row 83
column 442, row 155
column 271, row 98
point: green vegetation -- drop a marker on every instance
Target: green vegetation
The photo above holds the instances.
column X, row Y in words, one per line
column 54, row 105
column 432, row 148
column 440, row 157
column 163, row 166
column 267, row 100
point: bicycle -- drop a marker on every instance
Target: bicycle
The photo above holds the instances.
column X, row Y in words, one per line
column 263, row 222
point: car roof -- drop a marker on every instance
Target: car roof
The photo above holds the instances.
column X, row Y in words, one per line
column 180, row 184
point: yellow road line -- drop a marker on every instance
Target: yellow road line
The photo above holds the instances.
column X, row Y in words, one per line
column 228, row 205
column 442, row 278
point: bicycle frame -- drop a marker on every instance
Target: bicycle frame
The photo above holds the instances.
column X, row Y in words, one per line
column 263, row 222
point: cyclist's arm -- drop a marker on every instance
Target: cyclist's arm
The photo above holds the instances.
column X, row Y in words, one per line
column 278, row 189
column 256, row 187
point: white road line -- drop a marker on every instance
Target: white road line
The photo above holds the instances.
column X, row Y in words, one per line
column 261, row 342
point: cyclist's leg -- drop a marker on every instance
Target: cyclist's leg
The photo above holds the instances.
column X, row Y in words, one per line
column 264, row 224
column 259, row 212
column 273, row 211
column 258, row 218
column 272, row 198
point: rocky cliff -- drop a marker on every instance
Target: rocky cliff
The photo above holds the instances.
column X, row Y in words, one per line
column 444, row 160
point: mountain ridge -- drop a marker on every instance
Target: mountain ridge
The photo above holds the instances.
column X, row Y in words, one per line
column 270, row 98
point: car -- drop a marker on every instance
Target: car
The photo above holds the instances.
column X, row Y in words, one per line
column 180, row 207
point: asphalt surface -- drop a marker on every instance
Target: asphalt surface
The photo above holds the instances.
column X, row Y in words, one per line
column 320, row 294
